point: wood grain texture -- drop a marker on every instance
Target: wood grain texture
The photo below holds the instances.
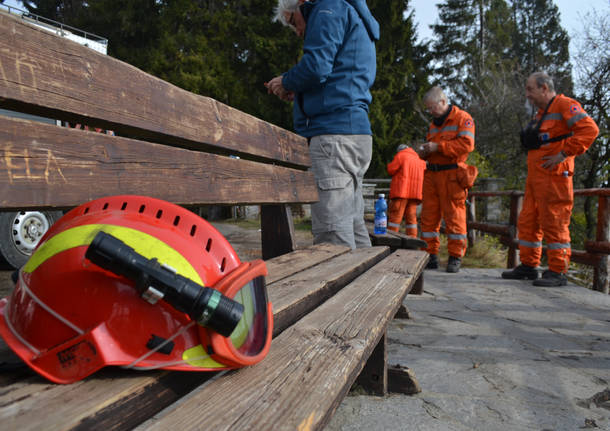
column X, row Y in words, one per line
column 295, row 296
column 289, row 264
column 47, row 75
column 277, row 231
column 311, row 365
column 118, row 399
column 395, row 240
column 43, row 165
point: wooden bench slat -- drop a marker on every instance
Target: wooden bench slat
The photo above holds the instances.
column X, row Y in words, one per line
column 47, row 75
column 50, row 166
column 326, row 349
column 117, row 399
column 289, row 264
column 395, row 240
column 295, row 296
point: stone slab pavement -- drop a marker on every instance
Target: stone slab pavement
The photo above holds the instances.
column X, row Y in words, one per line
column 494, row 354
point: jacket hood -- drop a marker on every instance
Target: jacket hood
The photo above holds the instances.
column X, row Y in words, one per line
column 371, row 24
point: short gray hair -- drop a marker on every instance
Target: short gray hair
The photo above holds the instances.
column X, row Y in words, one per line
column 401, row 147
column 285, row 6
column 543, row 78
column 435, row 94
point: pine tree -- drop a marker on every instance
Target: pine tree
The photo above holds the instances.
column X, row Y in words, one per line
column 540, row 43
column 470, row 36
column 402, row 77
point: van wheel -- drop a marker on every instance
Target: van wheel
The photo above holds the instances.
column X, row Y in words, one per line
column 20, row 233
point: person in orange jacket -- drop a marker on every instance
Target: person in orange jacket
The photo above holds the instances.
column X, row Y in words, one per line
column 560, row 131
column 450, row 139
column 407, row 171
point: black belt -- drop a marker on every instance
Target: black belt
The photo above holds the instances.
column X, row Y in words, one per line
column 436, row 168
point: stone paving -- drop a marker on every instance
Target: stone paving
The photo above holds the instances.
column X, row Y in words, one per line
column 494, row 354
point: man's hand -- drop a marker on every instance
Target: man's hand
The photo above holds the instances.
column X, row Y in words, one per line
column 276, row 87
column 551, row 161
column 424, row 150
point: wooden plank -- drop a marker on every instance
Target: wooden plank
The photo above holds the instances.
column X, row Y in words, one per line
column 602, row 247
column 312, row 364
column 297, row 295
column 277, row 231
column 286, row 265
column 410, row 242
column 386, row 239
column 47, row 75
column 48, row 166
column 495, row 228
column 395, row 240
column 118, row 399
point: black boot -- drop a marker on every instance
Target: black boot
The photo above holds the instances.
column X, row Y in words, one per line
column 432, row 262
column 551, row 279
column 453, row 265
column 522, row 272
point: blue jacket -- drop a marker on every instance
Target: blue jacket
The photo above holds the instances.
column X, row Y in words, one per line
column 331, row 82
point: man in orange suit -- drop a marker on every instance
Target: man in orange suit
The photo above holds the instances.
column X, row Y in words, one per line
column 450, row 139
column 407, row 171
column 560, row 131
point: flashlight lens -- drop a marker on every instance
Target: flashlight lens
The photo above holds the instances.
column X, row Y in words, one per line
column 250, row 333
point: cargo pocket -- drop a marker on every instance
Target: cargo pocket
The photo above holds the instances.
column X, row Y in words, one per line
column 335, row 206
column 466, row 175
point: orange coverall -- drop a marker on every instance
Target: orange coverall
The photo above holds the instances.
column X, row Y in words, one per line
column 443, row 196
column 548, row 200
column 407, row 171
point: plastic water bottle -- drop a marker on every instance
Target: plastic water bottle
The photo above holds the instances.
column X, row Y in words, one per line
column 381, row 218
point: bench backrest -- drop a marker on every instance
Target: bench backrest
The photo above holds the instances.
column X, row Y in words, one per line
column 170, row 144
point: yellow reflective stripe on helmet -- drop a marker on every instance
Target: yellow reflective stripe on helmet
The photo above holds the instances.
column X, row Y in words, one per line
column 143, row 243
column 191, row 355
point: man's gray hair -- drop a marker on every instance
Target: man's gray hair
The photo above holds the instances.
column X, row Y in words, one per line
column 401, row 147
column 543, row 78
column 435, row 94
column 283, row 7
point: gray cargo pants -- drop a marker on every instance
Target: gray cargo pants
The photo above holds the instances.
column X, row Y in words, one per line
column 338, row 163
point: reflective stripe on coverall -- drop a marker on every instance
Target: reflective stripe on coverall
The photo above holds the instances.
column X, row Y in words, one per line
column 443, row 196
column 549, row 197
column 407, row 171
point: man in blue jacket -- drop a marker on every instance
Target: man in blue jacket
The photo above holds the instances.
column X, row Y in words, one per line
column 329, row 88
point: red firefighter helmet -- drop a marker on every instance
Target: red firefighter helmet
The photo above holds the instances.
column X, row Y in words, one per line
column 69, row 317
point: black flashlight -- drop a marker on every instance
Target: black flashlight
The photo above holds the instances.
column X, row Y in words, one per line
column 208, row 307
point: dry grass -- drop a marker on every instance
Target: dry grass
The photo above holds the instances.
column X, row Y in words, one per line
column 487, row 252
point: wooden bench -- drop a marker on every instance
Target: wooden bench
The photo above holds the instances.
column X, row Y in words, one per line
column 331, row 305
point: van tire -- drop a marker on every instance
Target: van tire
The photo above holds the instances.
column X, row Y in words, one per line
column 20, row 232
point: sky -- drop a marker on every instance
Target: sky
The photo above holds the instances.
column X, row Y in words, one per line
column 570, row 13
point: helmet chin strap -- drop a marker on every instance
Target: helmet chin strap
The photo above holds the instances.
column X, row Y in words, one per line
column 160, row 346
column 166, row 364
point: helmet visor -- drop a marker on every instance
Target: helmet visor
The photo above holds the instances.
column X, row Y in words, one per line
column 250, row 334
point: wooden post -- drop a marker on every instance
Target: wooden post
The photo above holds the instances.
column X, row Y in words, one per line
column 472, row 216
column 374, row 376
column 277, row 231
column 516, row 202
column 418, row 286
column 600, row 272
